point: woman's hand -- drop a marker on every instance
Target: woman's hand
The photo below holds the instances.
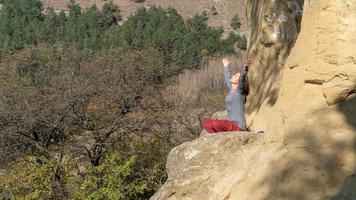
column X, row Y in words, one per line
column 248, row 63
column 226, row 61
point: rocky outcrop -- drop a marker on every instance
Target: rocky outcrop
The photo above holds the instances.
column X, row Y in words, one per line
column 314, row 113
column 304, row 101
column 209, row 167
column 317, row 81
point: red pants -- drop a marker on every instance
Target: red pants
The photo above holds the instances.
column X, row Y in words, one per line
column 219, row 125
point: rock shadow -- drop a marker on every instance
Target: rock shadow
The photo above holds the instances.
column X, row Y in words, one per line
column 348, row 189
column 315, row 165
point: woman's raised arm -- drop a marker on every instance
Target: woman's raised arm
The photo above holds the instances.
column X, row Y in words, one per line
column 243, row 77
column 227, row 74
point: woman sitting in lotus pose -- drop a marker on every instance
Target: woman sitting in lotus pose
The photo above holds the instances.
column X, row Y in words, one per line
column 238, row 86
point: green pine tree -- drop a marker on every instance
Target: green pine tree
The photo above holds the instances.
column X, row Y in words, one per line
column 110, row 14
column 235, row 22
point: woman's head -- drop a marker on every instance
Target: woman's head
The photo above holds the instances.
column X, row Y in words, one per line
column 235, row 78
column 246, row 85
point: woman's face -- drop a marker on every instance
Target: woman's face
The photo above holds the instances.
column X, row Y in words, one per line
column 235, row 78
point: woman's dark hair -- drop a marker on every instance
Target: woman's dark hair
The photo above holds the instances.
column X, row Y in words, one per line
column 246, row 89
column 245, row 83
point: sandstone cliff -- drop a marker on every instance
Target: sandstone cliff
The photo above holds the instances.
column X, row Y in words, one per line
column 303, row 99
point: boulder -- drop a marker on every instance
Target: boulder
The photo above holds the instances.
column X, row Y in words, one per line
column 207, row 168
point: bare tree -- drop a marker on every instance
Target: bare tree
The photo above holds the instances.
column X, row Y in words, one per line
column 44, row 99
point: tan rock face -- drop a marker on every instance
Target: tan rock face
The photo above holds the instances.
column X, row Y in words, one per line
column 338, row 89
column 314, row 115
column 274, row 27
column 303, row 99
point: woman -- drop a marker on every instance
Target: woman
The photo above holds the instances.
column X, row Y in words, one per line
column 235, row 102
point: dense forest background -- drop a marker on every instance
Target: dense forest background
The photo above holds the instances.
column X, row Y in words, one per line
column 90, row 106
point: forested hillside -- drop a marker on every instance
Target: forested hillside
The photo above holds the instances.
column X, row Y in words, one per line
column 90, row 107
column 220, row 12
